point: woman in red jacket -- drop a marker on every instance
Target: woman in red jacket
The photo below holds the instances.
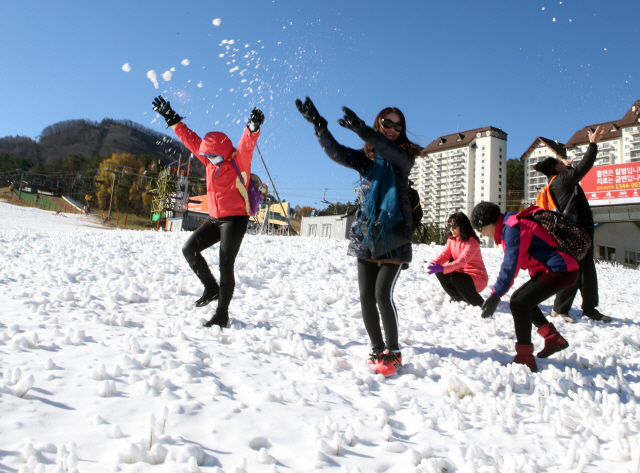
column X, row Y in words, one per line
column 460, row 268
column 228, row 204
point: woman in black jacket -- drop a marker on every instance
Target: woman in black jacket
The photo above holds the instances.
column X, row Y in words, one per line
column 380, row 236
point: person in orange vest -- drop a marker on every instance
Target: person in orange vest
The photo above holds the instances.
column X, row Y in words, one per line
column 228, row 201
column 569, row 198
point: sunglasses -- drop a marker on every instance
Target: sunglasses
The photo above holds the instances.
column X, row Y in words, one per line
column 213, row 158
column 389, row 124
column 452, row 226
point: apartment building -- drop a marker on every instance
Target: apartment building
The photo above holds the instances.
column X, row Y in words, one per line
column 459, row 170
column 619, row 144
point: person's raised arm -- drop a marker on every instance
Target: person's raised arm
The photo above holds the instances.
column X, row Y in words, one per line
column 188, row 137
column 343, row 155
column 584, row 166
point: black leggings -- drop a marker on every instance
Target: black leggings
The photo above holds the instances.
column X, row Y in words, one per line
column 587, row 284
column 376, row 285
column 229, row 231
column 524, row 303
column 460, row 287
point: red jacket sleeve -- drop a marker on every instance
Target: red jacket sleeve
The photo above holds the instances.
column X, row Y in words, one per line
column 467, row 253
column 190, row 139
column 245, row 150
column 445, row 255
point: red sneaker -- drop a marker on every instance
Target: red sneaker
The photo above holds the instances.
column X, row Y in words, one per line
column 388, row 363
column 374, row 358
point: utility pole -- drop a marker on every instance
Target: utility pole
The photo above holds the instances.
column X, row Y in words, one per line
column 20, row 191
column 113, row 187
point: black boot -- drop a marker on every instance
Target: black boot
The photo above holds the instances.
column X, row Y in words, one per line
column 211, row 293
column 221, row 319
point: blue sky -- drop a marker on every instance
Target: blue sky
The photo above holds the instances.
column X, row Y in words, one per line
column 450, row 66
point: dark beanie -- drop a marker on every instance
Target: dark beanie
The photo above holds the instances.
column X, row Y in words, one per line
column 547, row 167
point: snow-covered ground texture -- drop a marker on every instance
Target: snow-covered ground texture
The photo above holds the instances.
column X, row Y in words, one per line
column 105, row 365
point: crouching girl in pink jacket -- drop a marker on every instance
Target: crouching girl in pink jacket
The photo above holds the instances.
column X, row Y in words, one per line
column 460, row 268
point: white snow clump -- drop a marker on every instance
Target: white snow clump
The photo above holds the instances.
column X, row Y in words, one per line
column 153, row 77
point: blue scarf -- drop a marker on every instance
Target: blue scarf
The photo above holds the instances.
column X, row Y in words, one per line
column 380, row 209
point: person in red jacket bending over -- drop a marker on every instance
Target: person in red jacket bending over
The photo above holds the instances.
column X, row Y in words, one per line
column 228, row 203
column 460, row 268
column 526, row 245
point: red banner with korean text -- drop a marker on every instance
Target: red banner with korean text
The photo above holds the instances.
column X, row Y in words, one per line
column 612, row 185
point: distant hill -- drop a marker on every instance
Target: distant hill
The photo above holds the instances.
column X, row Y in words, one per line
column 91, row 138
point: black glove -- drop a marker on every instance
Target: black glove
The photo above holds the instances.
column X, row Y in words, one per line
column 310, row 113
column 353, row 123
column 489, row 306
column 255, row 120
column 164, row 109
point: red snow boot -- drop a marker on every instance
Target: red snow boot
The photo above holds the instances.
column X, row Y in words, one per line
column 524, row 356
column 553, row 341
column 388, row 363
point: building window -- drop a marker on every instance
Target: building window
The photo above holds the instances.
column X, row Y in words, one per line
column 326, row 230
column 500, row 150
column 500, row 169
column 500, row 156
column 499, row 196
column 499, row 189
column 630, row 257
column 483, row 155
column 483, row 148
column 312, row 230
column 611, row 254
column 499, row 183
column 482, row 188
column 500, row 176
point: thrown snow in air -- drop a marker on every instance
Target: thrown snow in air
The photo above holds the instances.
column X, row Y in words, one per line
column 217, row 22
column 167, row 75
column 153, row 77
column 185, row 62
column 126, row 67
column 106, row 366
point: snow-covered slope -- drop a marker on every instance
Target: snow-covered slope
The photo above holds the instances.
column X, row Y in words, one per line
column 106, row 366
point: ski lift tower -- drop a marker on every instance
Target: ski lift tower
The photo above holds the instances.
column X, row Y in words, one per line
column 163, row 203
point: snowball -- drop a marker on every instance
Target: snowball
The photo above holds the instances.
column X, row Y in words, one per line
column 185, row 62
column 116, row 432
column 153, row 77
column 217, row 22
column 126, row 67
column 23, row 386
column 107, row 388
column 167, row 75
